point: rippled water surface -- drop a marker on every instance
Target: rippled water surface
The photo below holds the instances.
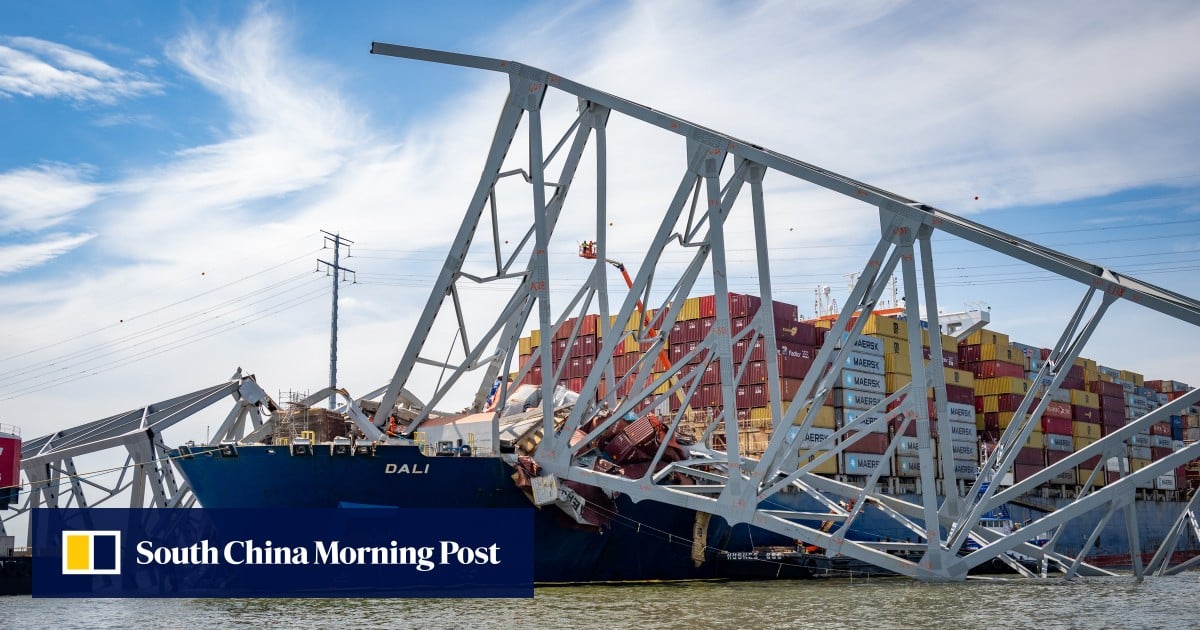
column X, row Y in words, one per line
column 1159, row 602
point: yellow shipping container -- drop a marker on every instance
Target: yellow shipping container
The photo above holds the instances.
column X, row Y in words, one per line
column 826, row 418
column 1083, row 442
column 1133, row 377
column 1091, row 376
column 893, row 382
column 524, row 346
column 1085, row 430
column 1001, row 385
column 984, row 335
column 759, row 413
column 1087, row 364
column 1106, row 378
column 962, row 378
column 690, row 310
column 535, row 338
column 949, row 343
column 1086, row 473
column 892, row 328
column 632, row 345
column 1005, row 418
column 894, row 346
column 1004, row 353
column 1036, row 440
column 827, row 467
column 1084, row 399
column 896, row 363
column 1136, row 464
column 990, row 403
column 827, row 324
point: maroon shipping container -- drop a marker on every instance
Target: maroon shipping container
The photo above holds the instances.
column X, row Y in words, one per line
column 1021, row 472
column 1090, row 464
column 678, row 333
column 742, row 347
column 795, row 360
column 1160, row 428
column 960, row 395
column 739, row 324
column 692, row 330
column 1085, row 414
column 677, row 352
column 1104, row 388
column 755, row 372
column 995, row 369
column 1157, row 453
column 751, row 396
column 742, row 305
column 969, row 353
column 873, row 443
column 1057, row 426
column 802, row 333
column 895, row 423
column 1112, row 405
column 1111, row 419
column 564, row 331
column 1030, row 456
column 575, row 384
column 1053, row 457
column 950, row 359
column 712, row 374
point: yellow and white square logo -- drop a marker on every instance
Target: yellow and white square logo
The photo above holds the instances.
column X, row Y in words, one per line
column 91, row 552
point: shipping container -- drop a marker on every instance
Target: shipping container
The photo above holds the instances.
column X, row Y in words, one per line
column 865, row 464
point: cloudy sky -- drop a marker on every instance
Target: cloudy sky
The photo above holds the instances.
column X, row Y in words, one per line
column 167, row 169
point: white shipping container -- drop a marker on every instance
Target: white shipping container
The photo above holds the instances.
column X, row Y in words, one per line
column 813, row 437
column 1139, row 452
column 872, row 423
column 863, row 381
column 961, row 412
column 1117, row 464
column 908, row 466
column 864, row 362
column 1160, row 441
column 910, row 446
column 1165, row 482
column 1139, row 440
column 1067, row 476
column 865, row 464
column 963, row 432
column 965, row 470
column 854, row 399
column 1064, row 443
column 1177, row 445
column 964, row 451
column 865, row 344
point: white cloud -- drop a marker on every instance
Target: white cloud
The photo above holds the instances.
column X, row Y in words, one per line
column 33, row 67
column 33, row 199
column 14, row 258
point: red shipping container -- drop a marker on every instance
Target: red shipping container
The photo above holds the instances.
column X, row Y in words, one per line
column 706, row 325
column 1157, row 453
column 996, row 369
column 911, row 431
column 677, row 352
column 794, row 360
column 708, row 306
column 564, row 331
column 575, row 384
column 784, row 311
column 691, row 330
column 1160, row 428
column 969, row 353
column 712, row 374
column 1090, row 464
column 586, row 368
column 739, row 324
column 590, row 323
column 1057, row 426
column 678, row 333
column 1056, row 409
column 1112, row 405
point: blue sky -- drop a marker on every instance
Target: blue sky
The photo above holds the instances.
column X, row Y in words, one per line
column 167, row 167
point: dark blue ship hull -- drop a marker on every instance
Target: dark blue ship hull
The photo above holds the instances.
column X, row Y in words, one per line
column 644, row 541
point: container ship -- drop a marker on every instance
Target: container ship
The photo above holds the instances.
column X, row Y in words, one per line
column 313, row 457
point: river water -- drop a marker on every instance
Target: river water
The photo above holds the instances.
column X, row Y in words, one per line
column 1158, row 602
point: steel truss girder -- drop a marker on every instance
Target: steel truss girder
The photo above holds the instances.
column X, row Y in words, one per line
column 48, row 462
column 726, row 482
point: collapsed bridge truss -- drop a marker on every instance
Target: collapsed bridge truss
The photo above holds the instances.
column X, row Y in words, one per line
column 715, row 170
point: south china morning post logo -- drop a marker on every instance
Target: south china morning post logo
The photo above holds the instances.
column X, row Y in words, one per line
column 345, row 552
column 91, row 552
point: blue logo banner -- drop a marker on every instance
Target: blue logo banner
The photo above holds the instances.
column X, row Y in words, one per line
column 346, row 552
